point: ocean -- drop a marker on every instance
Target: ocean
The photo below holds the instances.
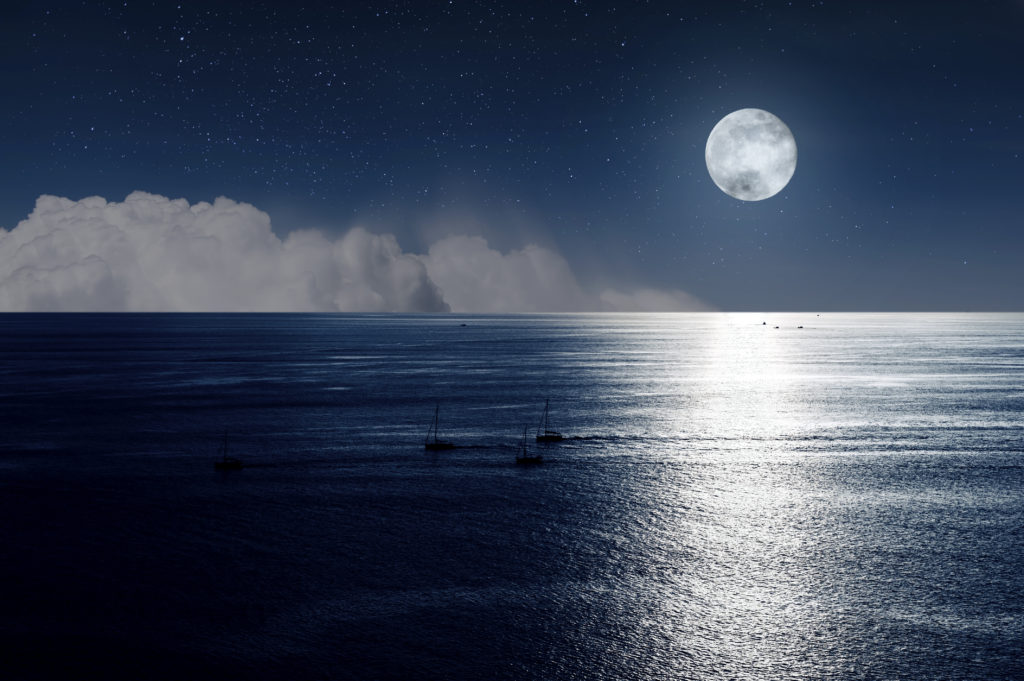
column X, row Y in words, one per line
column 739, row 496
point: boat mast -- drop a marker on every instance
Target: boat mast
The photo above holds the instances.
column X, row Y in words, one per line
column 437, row 408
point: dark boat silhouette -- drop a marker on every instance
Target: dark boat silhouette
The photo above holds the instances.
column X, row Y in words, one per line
column 436, row 444
column 544, row 434
column 226, row 463
column 523, row 455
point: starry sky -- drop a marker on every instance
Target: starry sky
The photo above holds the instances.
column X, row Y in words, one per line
column 578, row 126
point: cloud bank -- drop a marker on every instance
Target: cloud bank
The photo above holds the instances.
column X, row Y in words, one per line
column 151, row 253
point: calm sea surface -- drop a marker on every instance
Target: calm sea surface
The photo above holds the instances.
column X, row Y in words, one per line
column 736, row 501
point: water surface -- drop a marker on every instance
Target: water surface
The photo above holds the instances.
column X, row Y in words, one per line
column 735, row 501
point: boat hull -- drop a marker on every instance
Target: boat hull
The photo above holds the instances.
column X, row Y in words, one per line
column 228, row 465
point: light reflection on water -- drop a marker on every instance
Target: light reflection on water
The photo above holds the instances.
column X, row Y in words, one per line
column 837, row 501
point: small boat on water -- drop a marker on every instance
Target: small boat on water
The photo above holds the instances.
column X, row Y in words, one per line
column 523, row 455
column 544, row 433
column 226, row 463
column 436, row 444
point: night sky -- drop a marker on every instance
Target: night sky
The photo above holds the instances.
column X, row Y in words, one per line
column 578, row 127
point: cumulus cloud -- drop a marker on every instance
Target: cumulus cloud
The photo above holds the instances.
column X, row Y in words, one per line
column 154, row 254
column 477, row 278
column 151, row 253
column 651, row 300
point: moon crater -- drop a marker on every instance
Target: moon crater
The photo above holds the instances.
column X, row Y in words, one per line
column 751, row 154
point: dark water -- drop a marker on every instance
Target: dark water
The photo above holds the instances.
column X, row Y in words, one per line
column 842, row 501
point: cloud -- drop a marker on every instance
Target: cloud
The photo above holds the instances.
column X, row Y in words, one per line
column 477, row 278
column 151, row 253
column 651, row 300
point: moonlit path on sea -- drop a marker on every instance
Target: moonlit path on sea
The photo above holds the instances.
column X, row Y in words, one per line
column 735, row 500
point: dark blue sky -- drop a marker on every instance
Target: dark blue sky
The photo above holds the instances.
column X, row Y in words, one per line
column 576, row 125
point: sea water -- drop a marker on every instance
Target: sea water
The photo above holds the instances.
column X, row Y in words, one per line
column 740, row 496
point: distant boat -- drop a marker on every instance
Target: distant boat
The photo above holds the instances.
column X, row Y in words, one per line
column 544, row 434
column 226, row 463
column 436, row 444
column 523, row 456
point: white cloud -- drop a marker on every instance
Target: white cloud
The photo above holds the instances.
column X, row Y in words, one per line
column 150, row 253
column 477, row 278
column 651, row 300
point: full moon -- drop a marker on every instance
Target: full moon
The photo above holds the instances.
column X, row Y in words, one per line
column 751, row 154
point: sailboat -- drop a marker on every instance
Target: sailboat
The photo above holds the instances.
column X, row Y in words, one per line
column 523, row 456
column 436, row 444
column 226, row 463
column 544, row 434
